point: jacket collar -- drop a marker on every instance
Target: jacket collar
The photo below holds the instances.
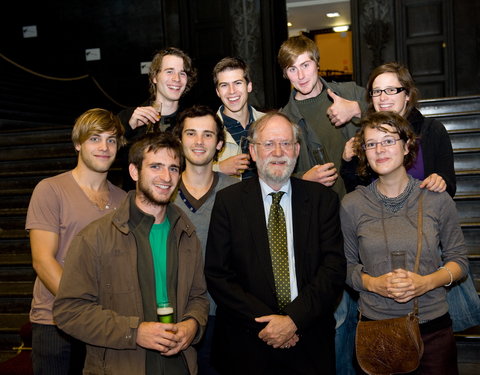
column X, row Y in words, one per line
column 292, row 107
column 129, row 216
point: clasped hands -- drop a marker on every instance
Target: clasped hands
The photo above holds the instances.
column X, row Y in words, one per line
column 167, row 338
column 279, row 331
column 401, row 285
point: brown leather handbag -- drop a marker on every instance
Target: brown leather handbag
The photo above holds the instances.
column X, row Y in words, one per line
column 392, row 346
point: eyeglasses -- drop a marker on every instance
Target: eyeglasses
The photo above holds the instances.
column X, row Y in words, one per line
column 388, row 91
column 271, row 145
column 387, row 142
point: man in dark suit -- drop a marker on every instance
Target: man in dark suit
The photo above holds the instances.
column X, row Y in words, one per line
column 275, row 264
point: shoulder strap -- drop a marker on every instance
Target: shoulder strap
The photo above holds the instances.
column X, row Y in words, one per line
column 419, row 244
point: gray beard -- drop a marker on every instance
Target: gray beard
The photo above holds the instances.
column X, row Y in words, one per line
column 276, row 179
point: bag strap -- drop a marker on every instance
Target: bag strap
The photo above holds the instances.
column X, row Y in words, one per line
column 419, row 245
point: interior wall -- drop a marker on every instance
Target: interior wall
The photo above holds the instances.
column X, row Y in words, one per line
column 129, row 33
column 339, row 55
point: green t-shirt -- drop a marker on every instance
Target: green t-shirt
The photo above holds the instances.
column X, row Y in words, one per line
column 158, row 243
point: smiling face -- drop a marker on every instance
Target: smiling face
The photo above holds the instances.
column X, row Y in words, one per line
column 233, row 90
column 385, row 160
column 171, row 80
column 276, row 165
column 157, row 179
column 199, row 140
column 98, row 152
column 303, row 75
column 396, row 103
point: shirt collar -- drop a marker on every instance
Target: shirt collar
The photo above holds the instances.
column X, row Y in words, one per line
column 266, row 190
column 229, row 121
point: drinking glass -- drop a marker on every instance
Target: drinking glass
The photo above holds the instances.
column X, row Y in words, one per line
column 320, row 155
column 397, row 259
column 165, row 313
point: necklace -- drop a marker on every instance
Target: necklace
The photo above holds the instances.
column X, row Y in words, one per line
column 101, row 199
column 393, row 204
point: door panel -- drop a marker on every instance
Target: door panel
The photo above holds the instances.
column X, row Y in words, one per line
column 425, row 44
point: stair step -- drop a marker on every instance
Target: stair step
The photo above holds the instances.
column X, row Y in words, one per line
column 469, row 334
column 467, row 208
column 468, row 185
column 470, row 222
column 15, row 245
column 15, row 305
column 437, row 106
column 464, row 131
column 12, row 222
column 13, row 234
column 462, row 141
column 474, row 258
column 462, row 121
column 15, row 201
column 19, row 126
column 466, row 162
column 466, row 196
column 37, row 137
column 13, row 114
column 466, row 150
column 38, row 167
column 16, row 288
column 472, row 237
column 13, row 211
column 12, row 322
column 41, row 151
column 22, row 259
column 12, row 274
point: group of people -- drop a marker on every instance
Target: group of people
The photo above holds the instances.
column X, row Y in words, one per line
column 239, row 220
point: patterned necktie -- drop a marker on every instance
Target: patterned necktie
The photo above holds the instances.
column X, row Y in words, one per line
column 277, row 238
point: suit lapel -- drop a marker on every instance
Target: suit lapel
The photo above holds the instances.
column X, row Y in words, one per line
column 253, row 203
column 301, row 212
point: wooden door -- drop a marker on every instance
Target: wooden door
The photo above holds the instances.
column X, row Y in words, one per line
column 425, row 44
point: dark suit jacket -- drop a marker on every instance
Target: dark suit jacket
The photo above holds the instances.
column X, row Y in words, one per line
column 240, row 279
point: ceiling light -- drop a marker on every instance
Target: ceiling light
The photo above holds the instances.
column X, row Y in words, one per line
column 333, row 14
column 289, row 24
column 340, row 29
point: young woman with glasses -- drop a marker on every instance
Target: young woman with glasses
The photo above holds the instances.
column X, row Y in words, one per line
column 391, row 88
column 381, row 218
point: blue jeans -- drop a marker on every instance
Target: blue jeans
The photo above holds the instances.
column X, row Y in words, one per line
column 204, row 349
column 346, row 316
column 54, row 352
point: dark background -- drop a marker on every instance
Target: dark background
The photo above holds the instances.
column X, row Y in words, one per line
column 129, row 32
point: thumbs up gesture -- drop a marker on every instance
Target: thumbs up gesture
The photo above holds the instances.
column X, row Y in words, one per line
column 342, row 110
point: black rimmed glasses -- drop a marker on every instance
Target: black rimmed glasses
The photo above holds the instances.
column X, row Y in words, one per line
column 388, row 91
column 387, row 142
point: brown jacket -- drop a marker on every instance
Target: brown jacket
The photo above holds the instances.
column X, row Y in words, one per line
column 99, row 300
